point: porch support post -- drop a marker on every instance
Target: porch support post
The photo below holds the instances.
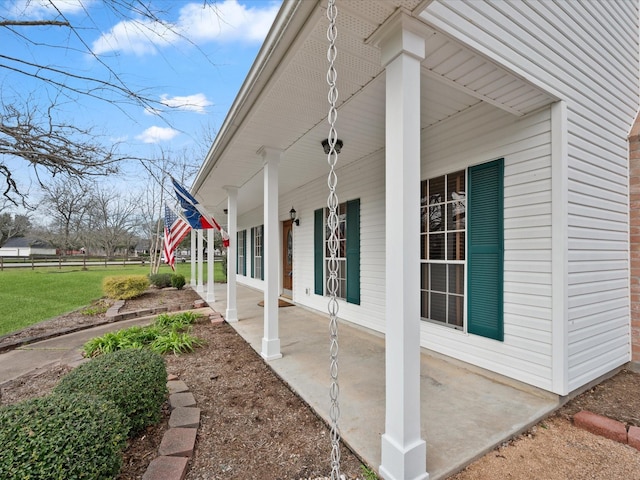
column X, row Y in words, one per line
column 193, row 258
column 199, row 287
column 211, row 296
column 271, row 339
column 232, row 222
column 404, row 452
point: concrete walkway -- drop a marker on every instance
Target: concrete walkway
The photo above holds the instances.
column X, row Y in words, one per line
column 466, row 411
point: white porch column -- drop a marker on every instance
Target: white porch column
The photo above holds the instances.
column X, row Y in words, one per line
column 404, row 453
column 211, row 296
column 199, row 287
column 193, row 258
column 232, row 222
column 271, row 253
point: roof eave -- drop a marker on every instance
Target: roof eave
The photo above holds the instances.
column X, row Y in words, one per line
column 290, row 19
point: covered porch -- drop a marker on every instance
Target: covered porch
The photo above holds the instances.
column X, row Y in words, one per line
column 466, row 411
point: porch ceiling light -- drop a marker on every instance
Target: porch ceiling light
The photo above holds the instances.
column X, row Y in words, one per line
column 292, row 214
column 327, row 147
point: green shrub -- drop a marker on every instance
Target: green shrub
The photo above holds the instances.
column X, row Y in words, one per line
column 61, row 437
column 178, row 281
column 161, row 337
column 124, row 287
column 160, row 280
column 135, row 380
column 176, row 321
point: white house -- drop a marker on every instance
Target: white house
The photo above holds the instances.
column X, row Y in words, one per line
column 25, row 247
column 483, row 186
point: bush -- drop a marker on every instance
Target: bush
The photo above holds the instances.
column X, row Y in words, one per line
column 160, row 280
column 135, row 380
column 160, row 337
column 124, row 287
column 60, row 437
column 178, row 281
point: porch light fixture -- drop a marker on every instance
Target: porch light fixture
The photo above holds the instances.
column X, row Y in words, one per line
column 292, row 214
column 327, row 147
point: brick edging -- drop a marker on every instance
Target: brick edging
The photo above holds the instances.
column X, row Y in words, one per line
column 608, row 428
column 178, row 442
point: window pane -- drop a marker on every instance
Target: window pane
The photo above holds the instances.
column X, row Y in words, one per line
column 424, row 276
column 436, row 246
column 455, row 183
column 424, row 193
column 438, row 307
column 455, row 246
column 455, row 310
column 424, row 304
column 436, row 190
column 439, row 277
column 424, row 219
column 436, row 222
column 424, row 247
column 456, row 279
column 455, row 215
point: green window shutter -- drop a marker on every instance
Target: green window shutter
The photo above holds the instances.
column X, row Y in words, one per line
column 253, row 238
column 238, row 253
column 353, row 251
column 318, row 251
column 244, row 264
column 485, row 249
column 261, row 252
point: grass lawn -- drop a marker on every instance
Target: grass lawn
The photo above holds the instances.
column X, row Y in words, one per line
column 31, row 296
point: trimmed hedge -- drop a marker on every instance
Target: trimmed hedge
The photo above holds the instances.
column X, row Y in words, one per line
column 62, row 437
column 125, row 287
column 135, row 380
column 178, row 281
column 160, row 280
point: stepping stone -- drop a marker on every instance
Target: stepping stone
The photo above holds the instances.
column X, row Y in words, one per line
column 183, row 399
column 177, row 386
column 178, row 442
column 166, row 468
column 185, row 417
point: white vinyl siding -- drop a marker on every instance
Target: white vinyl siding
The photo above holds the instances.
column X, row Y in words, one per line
column 482, row 134
column 363, row 179
column 585, row 53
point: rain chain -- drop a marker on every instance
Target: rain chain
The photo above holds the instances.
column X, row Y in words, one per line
column 332, row 224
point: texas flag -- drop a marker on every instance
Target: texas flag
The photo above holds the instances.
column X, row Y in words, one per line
column 196, row 214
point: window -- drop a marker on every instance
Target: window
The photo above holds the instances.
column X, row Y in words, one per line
column 257, row 265
column 442, row 249
column 241, row 268
column 347, row 255
column 458, row 210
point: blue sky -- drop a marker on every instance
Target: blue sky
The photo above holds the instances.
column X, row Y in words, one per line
column 194, row 68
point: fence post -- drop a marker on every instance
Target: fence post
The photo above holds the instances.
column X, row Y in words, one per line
column 33, row 267
column 59, row 262
column 1, row 264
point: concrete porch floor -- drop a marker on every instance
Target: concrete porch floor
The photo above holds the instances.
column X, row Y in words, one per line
column 466, row 411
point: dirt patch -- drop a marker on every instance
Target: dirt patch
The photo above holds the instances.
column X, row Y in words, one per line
column 254, row 427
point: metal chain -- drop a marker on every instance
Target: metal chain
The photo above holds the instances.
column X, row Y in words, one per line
column 332, row 224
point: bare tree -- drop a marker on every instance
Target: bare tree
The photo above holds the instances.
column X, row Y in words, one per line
column 111, row 221
column 57, row 147
column 36, row 134
column 68, row 203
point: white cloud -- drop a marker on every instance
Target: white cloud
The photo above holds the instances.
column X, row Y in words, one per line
column 40, row 9
column 192, row 103
column 222, row 22
column 157, row 134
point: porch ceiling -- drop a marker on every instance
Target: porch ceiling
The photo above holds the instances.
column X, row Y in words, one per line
column 286, row 106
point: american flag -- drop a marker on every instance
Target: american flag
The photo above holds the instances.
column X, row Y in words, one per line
column 175, row 229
